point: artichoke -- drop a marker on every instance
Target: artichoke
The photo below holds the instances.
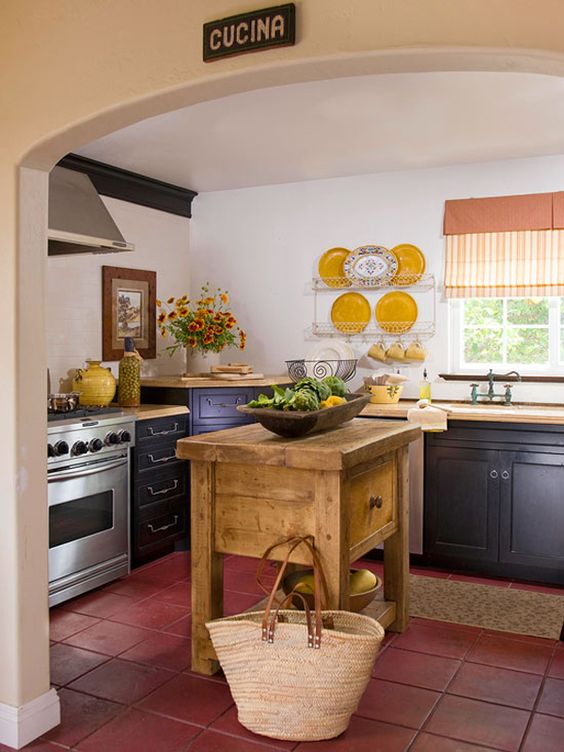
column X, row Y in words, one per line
column 322, row 390
column 305, row 399
column 336, row 385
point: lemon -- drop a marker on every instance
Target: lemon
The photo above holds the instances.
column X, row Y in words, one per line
column 305, row 584
column 361, row 581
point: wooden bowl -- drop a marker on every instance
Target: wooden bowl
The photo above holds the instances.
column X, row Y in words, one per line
column 357, row 601
column 296, row 423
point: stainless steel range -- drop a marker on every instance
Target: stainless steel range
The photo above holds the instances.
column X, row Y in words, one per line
column 88, row 473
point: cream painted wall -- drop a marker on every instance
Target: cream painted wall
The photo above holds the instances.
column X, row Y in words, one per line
column 74, row 289
column 263, row 245
column 55, row 98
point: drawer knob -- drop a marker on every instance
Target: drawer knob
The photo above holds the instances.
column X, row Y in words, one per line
column 376, row 502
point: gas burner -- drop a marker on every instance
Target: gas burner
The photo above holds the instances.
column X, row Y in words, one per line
column 83, row 412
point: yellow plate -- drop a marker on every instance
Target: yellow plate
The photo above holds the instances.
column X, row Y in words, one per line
column 351, row 313
column 396, row 312
column 411, row 264
column 331, row 267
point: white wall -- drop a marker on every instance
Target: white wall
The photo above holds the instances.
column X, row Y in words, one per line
column 74, row 288
column 263, row 245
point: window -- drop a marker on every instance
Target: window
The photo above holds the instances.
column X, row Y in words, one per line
column 524, row 334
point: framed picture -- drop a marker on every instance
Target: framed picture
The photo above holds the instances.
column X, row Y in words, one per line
column 128, row 310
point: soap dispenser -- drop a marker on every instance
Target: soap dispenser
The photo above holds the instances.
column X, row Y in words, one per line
column 425, row 387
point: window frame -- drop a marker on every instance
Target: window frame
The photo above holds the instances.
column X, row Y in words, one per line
column 555, row 365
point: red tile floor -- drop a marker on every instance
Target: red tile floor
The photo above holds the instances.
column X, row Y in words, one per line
column 120, row 660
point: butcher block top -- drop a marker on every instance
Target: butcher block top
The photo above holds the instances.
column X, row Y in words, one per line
column 355, row 442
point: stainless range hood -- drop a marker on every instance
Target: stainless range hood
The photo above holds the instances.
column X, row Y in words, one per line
column 78, row 220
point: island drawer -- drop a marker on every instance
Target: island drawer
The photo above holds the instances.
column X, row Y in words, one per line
column 372, row 502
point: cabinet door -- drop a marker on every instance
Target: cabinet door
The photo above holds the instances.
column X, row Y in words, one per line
column 462, row 503
column 532, row 509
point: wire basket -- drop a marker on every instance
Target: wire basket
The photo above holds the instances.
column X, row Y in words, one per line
column 319, row 369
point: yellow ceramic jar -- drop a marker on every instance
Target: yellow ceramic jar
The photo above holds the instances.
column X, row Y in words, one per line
column 95, row 384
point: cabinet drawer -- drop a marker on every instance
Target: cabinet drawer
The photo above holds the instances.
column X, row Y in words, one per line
column 158, row 429
column 162, row 486
column 220, row 405
column 164, row 526
column 156, row 457
column 372, row 501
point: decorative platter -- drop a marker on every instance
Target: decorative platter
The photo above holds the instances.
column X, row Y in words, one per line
column 350, row 313
column 371, row 266
column 411, row 264
column 396, row 312
column 331, row 269
column 292, row 424
column 337, row 349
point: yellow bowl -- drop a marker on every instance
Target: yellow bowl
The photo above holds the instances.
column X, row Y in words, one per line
column 357, row 601
column 386, row 394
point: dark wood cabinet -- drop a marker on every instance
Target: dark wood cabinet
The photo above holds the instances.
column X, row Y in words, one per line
column 494, row 500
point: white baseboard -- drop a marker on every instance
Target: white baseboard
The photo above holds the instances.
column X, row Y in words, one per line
column 19, row 726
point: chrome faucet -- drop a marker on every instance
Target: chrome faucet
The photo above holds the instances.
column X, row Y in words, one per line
column 490, row 394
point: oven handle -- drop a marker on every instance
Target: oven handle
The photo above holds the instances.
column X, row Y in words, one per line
column 72, row 473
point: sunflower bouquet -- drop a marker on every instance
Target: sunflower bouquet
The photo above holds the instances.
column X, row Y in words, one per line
column 205, row 324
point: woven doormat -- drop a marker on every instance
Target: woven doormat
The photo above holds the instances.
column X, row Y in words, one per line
column 487, row 606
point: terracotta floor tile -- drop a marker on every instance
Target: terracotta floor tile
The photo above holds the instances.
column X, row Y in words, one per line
column 108, row 637
column 228, row 724
column 431, row 743
column 164, row 650
column 180, row 628
column 552, row 698
column 508, row 653
column 136, row 731
column 178, row 595
column 81, row 715
column 545, row 734
column 234, row 603
column 122, row 681
column 364, row 735
column 151, row 614
column 241, row 581
column 479, row 723
column 211, row 741
column 100, row 604
column 246, row 564
column 65, row 623
column 556, row 668
column 189, row 698
column 417, row 669
column 134, row 587
column 68, row 663
column 436, row 639
column 397, row 703
column 372, row 564
column 498, row 685
column 37, row 746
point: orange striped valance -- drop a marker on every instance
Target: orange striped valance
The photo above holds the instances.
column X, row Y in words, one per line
column 526, row 263
column 534, row 211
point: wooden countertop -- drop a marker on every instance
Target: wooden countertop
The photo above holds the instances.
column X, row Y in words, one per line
column 143, row 412
column 355, row 441
column 205, row 382
column 495, row 413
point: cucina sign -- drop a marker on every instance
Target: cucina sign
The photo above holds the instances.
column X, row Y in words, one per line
column 250, row 32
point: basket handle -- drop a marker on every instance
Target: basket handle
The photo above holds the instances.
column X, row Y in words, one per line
column 276, row 617
column 319, row 582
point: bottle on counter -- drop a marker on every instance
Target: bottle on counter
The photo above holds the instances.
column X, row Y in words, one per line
column 425, row 387
column 129, row 389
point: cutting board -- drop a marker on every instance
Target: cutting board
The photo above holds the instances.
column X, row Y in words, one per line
column 232, row 368
column 237, row 376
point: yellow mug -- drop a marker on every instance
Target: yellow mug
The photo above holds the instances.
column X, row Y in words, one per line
column 396, row 351
column 414, row 351
column 377, row 352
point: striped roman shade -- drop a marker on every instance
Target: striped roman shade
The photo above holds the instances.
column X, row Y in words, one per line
column 523, row 263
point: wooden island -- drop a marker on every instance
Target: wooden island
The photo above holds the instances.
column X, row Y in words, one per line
column 347, row 487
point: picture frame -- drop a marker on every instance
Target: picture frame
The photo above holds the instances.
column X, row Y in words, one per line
column 128, row 310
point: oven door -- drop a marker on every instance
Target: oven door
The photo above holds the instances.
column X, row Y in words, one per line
column 88, row 516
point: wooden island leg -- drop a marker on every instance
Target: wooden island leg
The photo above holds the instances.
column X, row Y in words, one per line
column 332, row 537
column 207, row 567
column 396, row 549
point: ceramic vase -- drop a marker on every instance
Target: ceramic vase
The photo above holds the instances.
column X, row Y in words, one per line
column 200, row 361
column 95, row 384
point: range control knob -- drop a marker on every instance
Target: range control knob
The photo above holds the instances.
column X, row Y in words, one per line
column 79, row 447
column 95, row 445
column 124, row 437
column 60, row 448
column 111, row 438
column 50, row 451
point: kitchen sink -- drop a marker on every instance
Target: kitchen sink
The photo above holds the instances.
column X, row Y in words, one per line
column 494, row 407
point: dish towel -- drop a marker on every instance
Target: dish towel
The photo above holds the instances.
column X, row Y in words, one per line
column 428, row 417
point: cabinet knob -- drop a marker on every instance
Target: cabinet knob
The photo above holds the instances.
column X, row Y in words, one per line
column 505, row 475
column 494, row 474
column 376, row 501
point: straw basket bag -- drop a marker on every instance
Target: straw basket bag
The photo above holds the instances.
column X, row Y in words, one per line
column 296, row 675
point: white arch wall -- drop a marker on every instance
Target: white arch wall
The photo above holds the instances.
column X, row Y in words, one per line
column 71, row 72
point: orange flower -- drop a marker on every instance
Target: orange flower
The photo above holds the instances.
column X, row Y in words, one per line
column 224, row 298
column 209, row 301
column 193, row 327
column 208, row 339
column 163, row 333
column 158, row 302
column 218, row 329
column 170, row 300
column 199, row 324
column 172, row 315
column 183, row 312
column 218, row 318
column 191, row 341
column 162, row 317
column 230, row 323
